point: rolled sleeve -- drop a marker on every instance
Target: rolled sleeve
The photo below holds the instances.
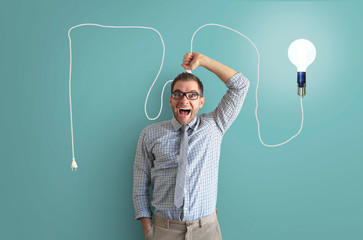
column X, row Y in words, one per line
column 231, row 103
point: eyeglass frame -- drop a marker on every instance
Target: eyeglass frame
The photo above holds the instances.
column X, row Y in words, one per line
column 185, row 94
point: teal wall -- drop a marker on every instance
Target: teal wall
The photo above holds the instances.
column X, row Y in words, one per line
column 310, row 188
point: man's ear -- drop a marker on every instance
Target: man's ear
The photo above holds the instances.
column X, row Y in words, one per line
column 202, row 99
column 170, row 101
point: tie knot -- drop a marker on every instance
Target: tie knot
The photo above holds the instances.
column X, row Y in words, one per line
column 184, row 128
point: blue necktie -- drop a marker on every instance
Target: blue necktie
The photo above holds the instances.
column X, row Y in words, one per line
column 183, row 162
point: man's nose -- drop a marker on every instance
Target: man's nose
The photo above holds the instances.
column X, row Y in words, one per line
column 184, row 99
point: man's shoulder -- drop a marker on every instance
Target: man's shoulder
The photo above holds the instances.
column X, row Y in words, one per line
column 157, row 127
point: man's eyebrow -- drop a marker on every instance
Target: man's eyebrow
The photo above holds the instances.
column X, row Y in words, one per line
column 193, row 91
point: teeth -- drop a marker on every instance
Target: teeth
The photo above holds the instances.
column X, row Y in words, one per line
column 184, row 111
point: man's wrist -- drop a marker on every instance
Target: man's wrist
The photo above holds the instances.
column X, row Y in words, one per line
column 203, row 61
column 146, row 224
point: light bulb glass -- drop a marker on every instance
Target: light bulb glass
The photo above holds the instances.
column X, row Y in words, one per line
column 302, row 53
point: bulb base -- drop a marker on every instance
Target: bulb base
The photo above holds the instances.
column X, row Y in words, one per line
column 301, row 91
column 301, row 84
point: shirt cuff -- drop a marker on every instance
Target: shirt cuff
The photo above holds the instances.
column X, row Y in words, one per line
column 237, row 81
column 143, row 214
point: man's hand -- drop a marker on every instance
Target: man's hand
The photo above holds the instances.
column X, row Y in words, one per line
column 146, row 224
column 192, row 60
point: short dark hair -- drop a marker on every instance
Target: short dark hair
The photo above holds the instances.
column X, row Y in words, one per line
column 187, row 77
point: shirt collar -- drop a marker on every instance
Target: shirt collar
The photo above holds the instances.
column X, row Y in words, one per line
column 176, row 125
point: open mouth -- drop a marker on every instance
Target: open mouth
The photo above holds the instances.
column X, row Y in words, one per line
column 184, row 111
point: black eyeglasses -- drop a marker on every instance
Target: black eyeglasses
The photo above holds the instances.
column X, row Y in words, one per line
column 190, row 95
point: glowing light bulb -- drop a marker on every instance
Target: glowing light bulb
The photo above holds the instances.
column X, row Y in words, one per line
column 301, row 53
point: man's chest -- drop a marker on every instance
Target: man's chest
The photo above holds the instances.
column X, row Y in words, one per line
column 166, row 147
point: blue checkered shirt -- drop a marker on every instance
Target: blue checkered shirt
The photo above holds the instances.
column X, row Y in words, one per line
column 157, row 153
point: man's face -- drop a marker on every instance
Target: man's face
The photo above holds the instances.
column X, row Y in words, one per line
column 186, row 110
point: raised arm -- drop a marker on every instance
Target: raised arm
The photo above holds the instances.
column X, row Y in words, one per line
column 193, row 60
column 231, row 103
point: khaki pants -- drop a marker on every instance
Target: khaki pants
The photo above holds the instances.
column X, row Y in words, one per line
column 206, row 228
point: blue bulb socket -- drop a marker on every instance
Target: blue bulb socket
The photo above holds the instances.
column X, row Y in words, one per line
column 301, row 79
column 301, row 83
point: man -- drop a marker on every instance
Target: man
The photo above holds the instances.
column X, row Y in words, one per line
column 180, row 157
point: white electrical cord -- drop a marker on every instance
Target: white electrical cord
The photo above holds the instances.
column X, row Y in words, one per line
column 74, row 164
column 258, row 81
